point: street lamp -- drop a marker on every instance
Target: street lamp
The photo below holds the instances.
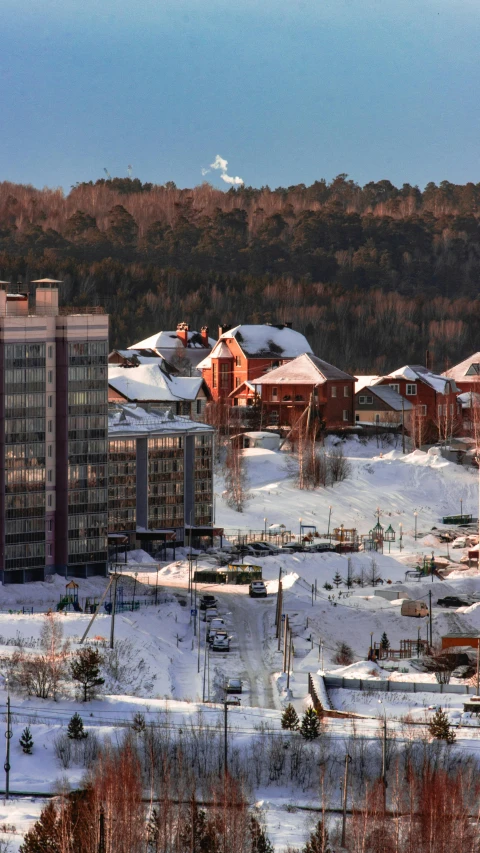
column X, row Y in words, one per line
column 300, row 535
column 416, row 516
column 8, row 735
column 265, row 524
column 400, row 537
column 329, row 517
column 384, row 755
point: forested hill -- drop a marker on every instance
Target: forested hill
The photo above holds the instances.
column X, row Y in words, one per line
column 375, row 276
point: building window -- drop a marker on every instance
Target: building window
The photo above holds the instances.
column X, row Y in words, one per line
column 451, row 410
column 275, row 364
column 214, row 375
column 411, row 390
column 423, row 409
column 365, row 401
column 287, row 398
column 334, row 390
column 50, row 475
column 49, row 502
column 377, row 419
column 395, row 386
column 346, row 415
column 199, row 407
column 274, row 393
column 50, row 426
column 49, row 551
column 238, row 361
column 50, row 375
column 357, row 417
column 439, row 411
column 273, row 418
column 346, row 391
column 50, row 401
column 299, row 398
column 50, row 450
column 50, row 352
column 237, row 382
column 224, row 376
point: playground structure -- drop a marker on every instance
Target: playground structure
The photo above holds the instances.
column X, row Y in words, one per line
column 408, row 649
column 234, row 573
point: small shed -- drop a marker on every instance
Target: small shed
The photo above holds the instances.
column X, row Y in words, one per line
column 458, row 639
column 266, row 440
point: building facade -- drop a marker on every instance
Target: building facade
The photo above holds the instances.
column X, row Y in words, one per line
column 53, row 437
column 160, row 477
column 433, row 398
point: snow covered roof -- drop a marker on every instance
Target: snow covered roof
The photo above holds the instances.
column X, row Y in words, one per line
column 362, row 382
column 389, row 396
column 307, row 369
column 170, row 341
column 415, row 372
column 149, row 382
column 129, row 419
column 260, row 341
column 469, row 399
column 467, row 370
column 220, row 350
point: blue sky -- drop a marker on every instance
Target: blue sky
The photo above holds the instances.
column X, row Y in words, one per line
column 287, row 91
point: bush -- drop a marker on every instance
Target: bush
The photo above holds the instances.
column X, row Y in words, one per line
column 343, row 655
column 62, row 747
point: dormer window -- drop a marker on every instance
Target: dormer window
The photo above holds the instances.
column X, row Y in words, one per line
column 275, row 364
column 287, row 398
column 474, row 369
column 299, row 398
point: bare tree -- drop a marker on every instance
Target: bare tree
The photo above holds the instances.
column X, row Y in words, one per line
column 235, row 477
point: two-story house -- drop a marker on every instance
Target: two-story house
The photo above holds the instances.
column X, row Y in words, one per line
column 244, row 354
column 434, row 398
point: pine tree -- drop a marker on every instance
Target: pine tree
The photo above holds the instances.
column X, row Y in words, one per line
column 44, row 835
column 259, row 838
column 384, row 642
column 318, row 841
column 310, row 728
column 85, row 668
column 337, row 579
column 290, row 718
column 440, row 728
column 75, row 729
column 26, row 741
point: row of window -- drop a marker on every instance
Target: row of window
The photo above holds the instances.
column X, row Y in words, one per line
column 85, row 545
column 83, row 348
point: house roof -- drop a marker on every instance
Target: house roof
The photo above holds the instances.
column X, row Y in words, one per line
column 170, row 341
column 469, row 399
column 389, row 396
column 416, row 372
column 467, row 370
column 149, row 383
column 362, row 382
column 129, row 419
column 306, row 369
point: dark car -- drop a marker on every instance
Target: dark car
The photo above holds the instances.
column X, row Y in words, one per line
column 452, row 601
column 207, row 600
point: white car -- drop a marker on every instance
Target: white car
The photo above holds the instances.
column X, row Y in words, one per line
column 216, row 624
column 221, row 642
column 211, row 613
column 257, row 590
column 233, row 685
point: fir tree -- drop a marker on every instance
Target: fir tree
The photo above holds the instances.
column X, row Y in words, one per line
column 384, row 642
column 440, row 728
column 310, row 728
column 44, row 835
column 75, row 729
column 26, row 741
column 259, row 838
column 85, row 668
column 290, row 718
column 138, row 723
column 337, row 579
column 318, row 841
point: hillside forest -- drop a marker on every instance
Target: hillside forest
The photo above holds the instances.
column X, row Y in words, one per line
column 374, row 276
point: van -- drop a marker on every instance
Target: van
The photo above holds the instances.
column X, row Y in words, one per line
column 414, row 608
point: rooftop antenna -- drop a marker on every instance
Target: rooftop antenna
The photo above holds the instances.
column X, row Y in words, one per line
column 107, row 173
column 129, row 170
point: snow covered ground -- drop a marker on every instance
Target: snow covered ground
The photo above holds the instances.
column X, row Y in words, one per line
column 160, row 669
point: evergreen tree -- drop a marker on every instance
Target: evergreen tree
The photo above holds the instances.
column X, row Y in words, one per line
column 43, row 837
column 85, row 668
column 337, row 579
column 310, row 728
column 290, row 718
column 318, row 841
column 26, row 741
column 440, row 728
column 384, row 642
column 75, row 729
column 138, row 723
column 259, row 838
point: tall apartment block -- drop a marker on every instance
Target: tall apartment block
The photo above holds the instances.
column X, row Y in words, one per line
column 53, row 437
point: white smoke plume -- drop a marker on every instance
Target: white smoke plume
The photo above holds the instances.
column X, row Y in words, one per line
column 220, row 164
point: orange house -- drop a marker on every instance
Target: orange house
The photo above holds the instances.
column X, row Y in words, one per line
column 244, row 354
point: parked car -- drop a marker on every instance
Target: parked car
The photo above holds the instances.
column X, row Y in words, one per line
column 292, row 547
column 320, row 547
column 453, row 601
column 207, row 600
column 211, row 613
column 216, row 624
column 221, row 642
column 257, row 589
column 233, row 685
column 414, row 608
column 260, row 549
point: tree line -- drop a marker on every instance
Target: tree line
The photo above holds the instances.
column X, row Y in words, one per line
column 375, row 276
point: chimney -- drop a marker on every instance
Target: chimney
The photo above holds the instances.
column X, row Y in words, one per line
column 221, row 330
column 204, row 335
column 182, row 333
column 3, row 297
column 17, row 304
column 46, row 296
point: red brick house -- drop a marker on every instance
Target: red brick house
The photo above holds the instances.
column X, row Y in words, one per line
column 434, row 399
column 244, row 354
column 287, row 391
column 466, row 374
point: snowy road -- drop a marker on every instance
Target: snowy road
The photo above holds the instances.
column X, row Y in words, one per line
column 249, row 619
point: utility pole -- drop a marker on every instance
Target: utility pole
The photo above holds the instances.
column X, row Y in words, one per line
column 199, row 641
column 205, row 663
column 285, row 638
column 101, row 840
column 403, row 426
column 289, row 660
column 345, row 794
column 384, row 760
column 430, row 615
column 114, row 607
column 8, row 735
column 279, row 612
column 478, row 667
column 225, row 739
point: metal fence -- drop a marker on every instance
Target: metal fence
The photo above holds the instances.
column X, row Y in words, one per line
column 335, row 682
